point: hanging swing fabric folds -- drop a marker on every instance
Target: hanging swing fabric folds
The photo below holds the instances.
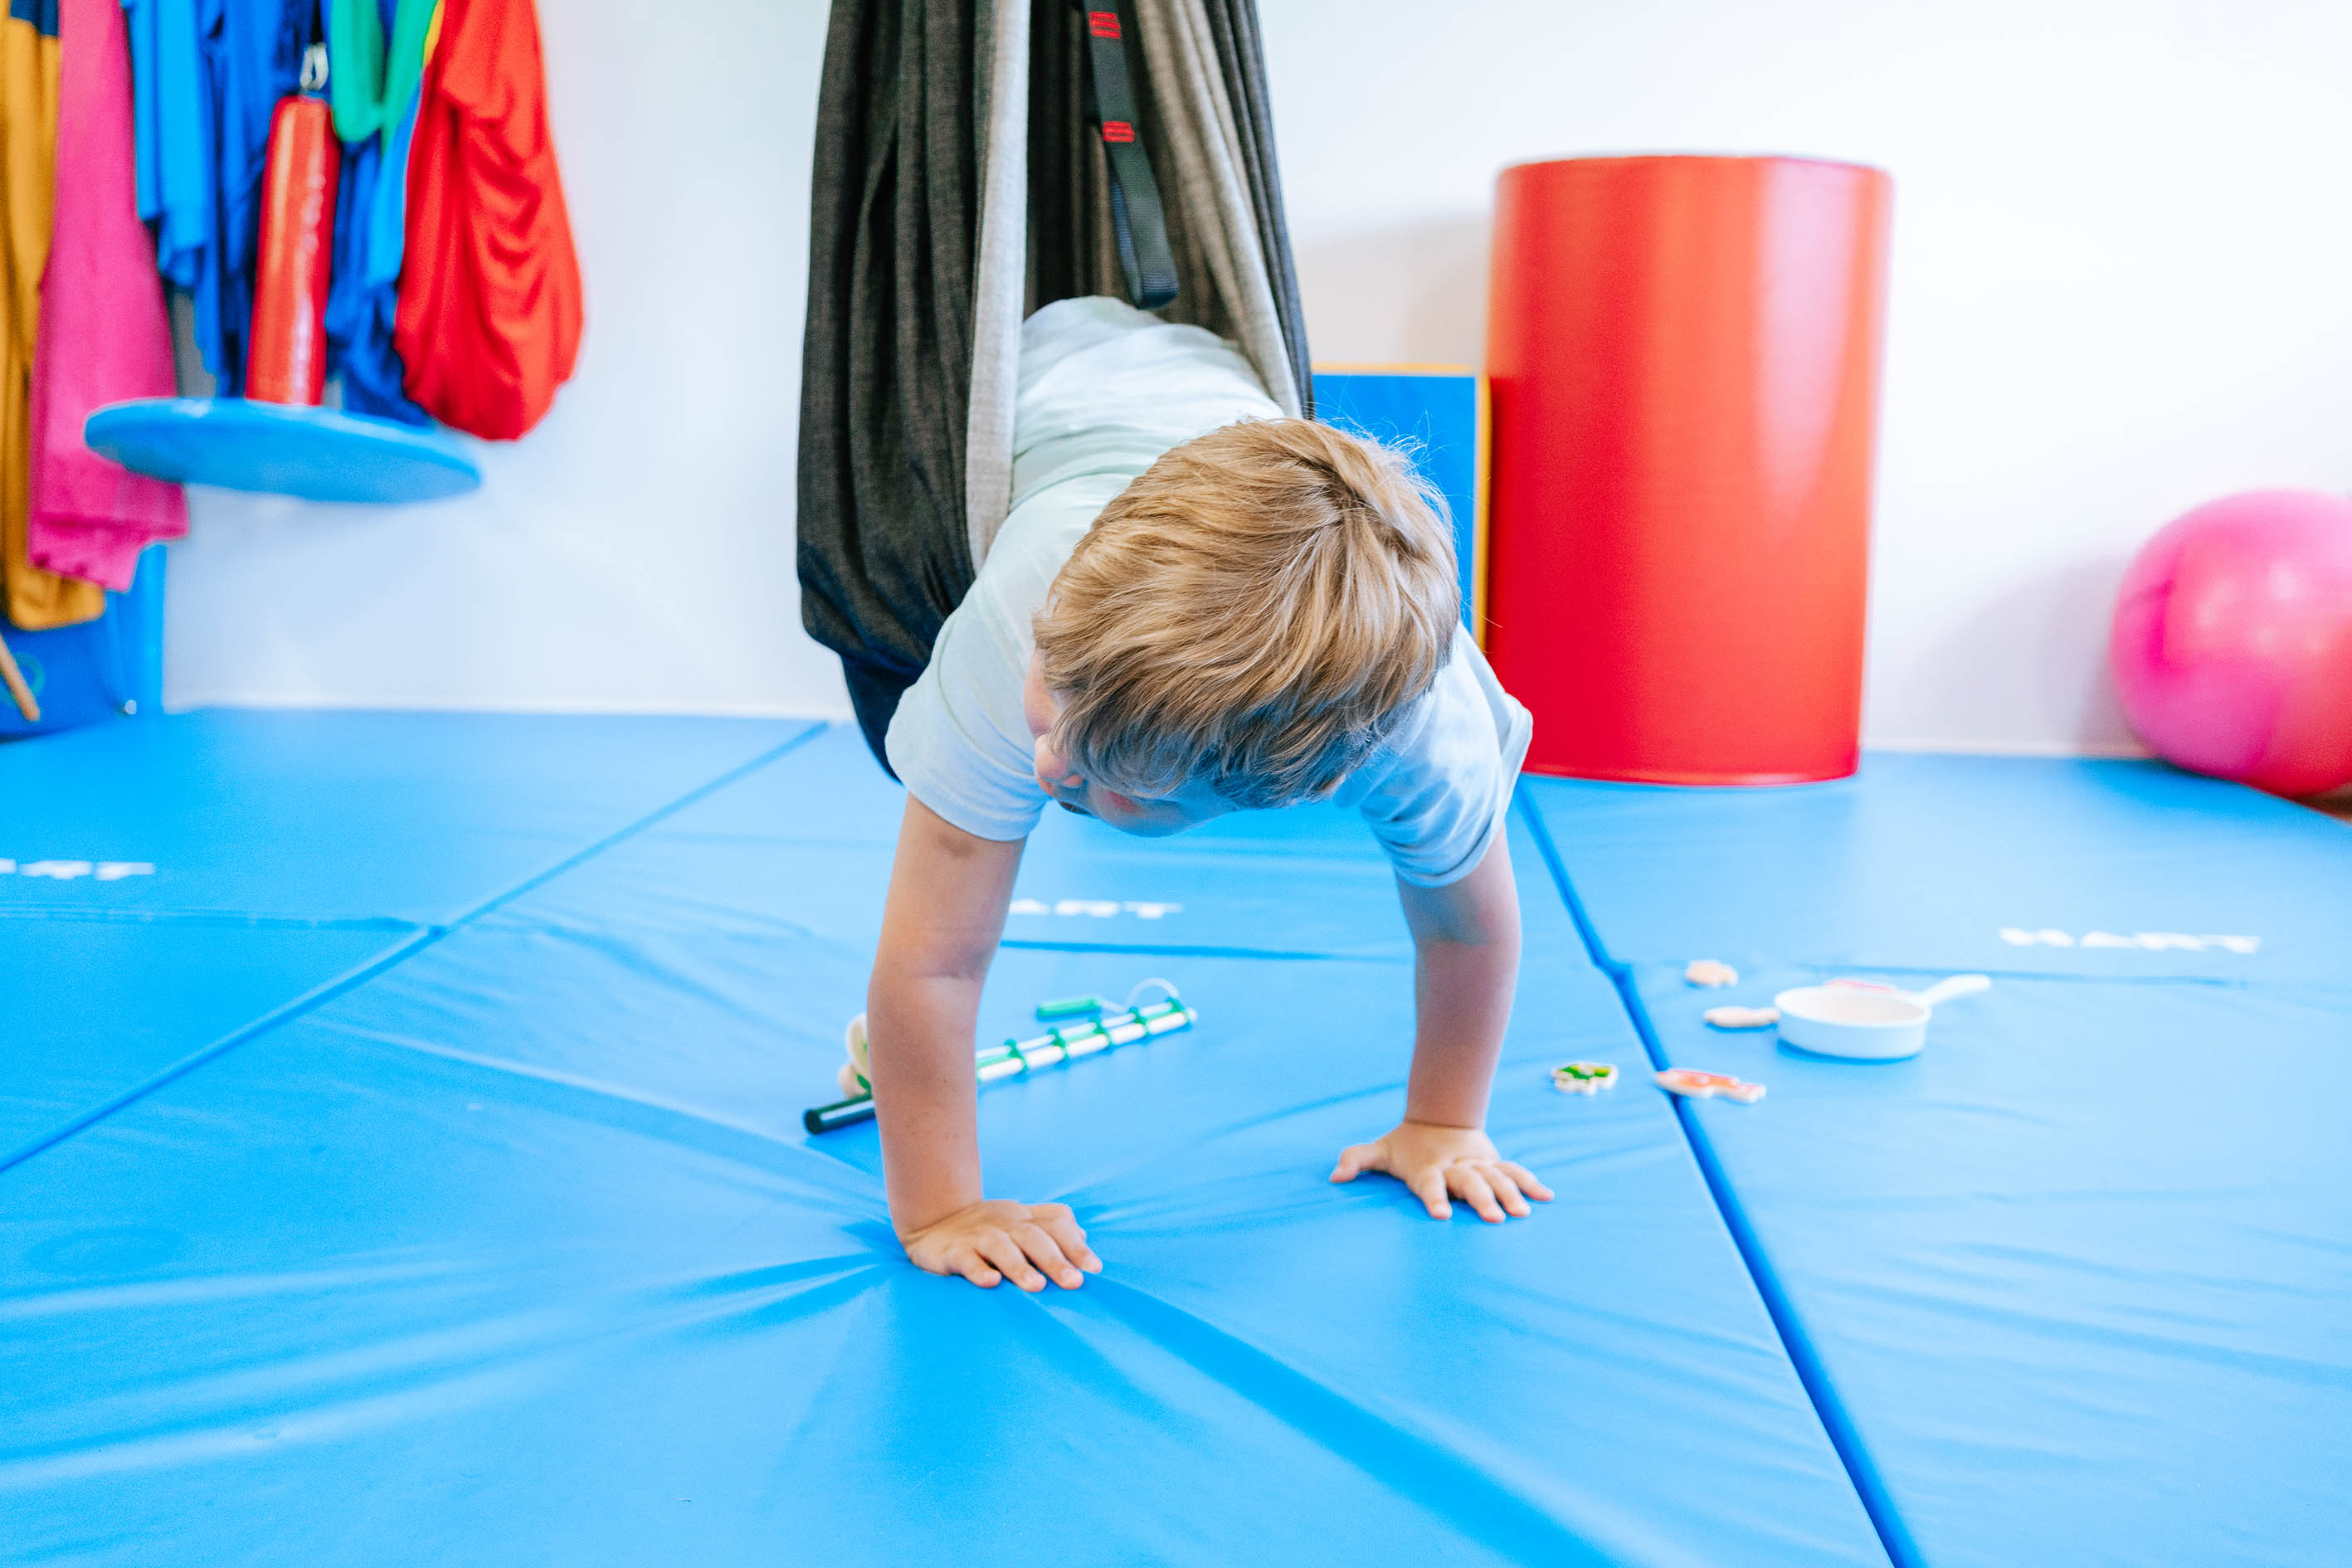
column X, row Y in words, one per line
column 887, row 360
column 962, row 180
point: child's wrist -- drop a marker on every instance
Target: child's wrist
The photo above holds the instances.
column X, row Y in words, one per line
column 911, row 1219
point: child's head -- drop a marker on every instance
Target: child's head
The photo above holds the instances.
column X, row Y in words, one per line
column 1241, row 627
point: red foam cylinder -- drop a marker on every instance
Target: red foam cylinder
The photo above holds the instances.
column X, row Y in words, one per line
column 286, row 355
column 1683, row 359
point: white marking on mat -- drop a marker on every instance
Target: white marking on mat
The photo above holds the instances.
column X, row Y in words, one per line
column 2144, row 940
column 73, row 871
column 1095, row 909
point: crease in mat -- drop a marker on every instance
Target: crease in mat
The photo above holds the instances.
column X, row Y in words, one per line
column 425, row 937
column 1413, row 1464
column 468, row 1364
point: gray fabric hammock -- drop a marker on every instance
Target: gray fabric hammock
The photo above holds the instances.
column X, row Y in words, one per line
column 961, row 182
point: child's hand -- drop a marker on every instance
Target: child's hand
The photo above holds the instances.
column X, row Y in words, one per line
column 1436, row 1161
column 996, row 1237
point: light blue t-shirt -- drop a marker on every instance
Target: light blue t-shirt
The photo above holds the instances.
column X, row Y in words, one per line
column 1105, row 390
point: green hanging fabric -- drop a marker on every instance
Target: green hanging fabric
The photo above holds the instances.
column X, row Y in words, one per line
column 369, row 92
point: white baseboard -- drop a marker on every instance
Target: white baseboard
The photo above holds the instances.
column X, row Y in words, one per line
column 2124, row 749
column 627, row 710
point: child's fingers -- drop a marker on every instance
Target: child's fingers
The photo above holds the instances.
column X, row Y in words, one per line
column 972, row 1266
column 1472, row 1188
column 1527, row 1180
column 1061, row 1225
column 1430, row 1188
column 1354, row 1160
column 1507, row 1191
column 1046, row 1254
column 1005, row 1253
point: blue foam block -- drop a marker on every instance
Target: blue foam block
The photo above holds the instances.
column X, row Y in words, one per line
column 1924, row 861
column 1436, row 413
column 2077, row 1276
column 317, row 454
column 99, row 670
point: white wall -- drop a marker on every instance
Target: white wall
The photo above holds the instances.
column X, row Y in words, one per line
column 635, row 551
column 2122, row 278
column 2123, row 284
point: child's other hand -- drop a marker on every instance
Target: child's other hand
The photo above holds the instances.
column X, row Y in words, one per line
column 997, row 1238
column 1435, row 1162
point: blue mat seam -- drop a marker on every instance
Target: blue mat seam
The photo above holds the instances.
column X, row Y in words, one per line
column 425, row 936
column 1594, row 948
column 1893, row 1536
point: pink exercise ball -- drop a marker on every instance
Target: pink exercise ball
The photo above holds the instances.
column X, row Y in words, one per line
column 2232, row 641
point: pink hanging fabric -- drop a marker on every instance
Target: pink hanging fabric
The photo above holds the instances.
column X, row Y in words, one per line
column 105, row 333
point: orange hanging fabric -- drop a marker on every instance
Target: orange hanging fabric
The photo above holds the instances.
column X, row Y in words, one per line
column 286, row 356
column 490, row 317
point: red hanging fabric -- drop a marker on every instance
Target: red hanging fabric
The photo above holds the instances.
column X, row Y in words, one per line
column 286, row 352
column 490, row 317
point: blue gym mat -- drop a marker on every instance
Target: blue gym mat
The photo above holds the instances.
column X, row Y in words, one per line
column 2125, row 869
column 516, row 1251
column 2078, row 1277
column 96, row 1009
column 2075, row 1284
column 167, row 884
column 804, row 845
column 339, row 816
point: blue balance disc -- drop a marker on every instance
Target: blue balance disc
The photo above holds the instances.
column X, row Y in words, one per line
column 281, row 448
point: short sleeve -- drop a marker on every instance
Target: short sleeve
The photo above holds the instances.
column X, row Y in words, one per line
column 1437, row 793
column 958, row 742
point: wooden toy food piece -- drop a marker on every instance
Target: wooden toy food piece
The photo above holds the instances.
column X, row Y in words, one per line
column 1692, row 1084
column 1710, row 972
column 1743, row 1018
column 1584, row 1077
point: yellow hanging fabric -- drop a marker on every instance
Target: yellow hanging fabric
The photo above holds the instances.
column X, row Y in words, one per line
column 28, row 148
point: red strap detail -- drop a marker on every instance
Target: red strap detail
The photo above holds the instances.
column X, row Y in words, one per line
column 1117, row 131
column 1103, row 23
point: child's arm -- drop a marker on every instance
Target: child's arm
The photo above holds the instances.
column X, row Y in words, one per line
column 1465, row 939
column 939, row 929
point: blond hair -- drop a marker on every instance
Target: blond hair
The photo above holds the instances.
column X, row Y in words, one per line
column 1254, row 612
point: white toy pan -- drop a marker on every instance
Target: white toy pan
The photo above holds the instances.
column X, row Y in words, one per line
column 1865, row 1022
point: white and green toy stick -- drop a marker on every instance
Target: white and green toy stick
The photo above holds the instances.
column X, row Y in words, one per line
column 1096, row 1026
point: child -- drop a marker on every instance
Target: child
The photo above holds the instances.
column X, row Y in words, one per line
column 1195, row 607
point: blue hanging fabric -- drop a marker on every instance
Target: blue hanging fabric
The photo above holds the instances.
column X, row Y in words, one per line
column 207, row 76
column 375, row 109
column 255, row 52
column 172, row 100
